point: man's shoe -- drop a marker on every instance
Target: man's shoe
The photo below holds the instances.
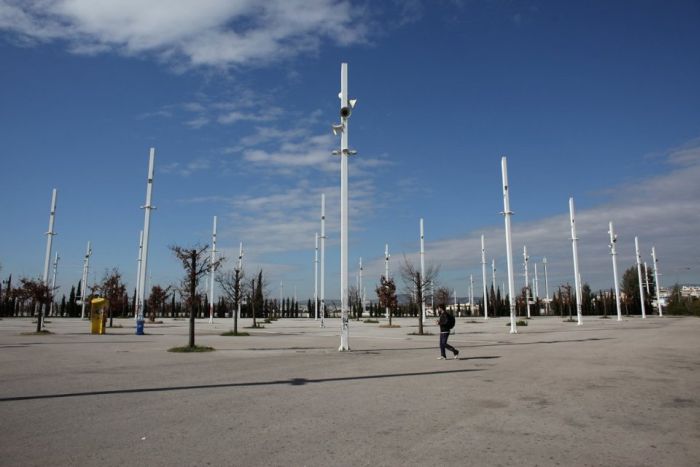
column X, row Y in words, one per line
column 456, row 353
column 441, row 358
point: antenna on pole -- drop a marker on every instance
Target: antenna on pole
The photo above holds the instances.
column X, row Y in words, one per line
column 507, row 213
column 323, row 259
column 613, row 254
column 483, row 278
column 526, row 259
column 315, row 277
column 144, row 255
column 639, row 274
column 83, row 284
column 346, row 107
column 574, row 247
column 212, row 273
column 657, row 286
column 422, row 270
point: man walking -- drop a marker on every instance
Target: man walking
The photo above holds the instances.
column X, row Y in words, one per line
column 446, row 323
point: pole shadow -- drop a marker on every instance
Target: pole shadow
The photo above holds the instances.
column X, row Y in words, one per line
column 290, row 382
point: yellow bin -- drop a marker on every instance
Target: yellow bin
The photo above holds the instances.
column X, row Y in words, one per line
column 97, row 315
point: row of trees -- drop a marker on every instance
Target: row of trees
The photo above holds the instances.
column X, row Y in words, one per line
column 26, row 297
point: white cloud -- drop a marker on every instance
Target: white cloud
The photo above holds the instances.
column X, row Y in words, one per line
column 187, row 169
column 218, row 33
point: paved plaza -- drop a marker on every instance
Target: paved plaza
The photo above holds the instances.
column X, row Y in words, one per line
column 606, row 393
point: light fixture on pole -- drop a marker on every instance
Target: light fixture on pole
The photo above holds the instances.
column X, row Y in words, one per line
column 144, row 255
column 509, row 248
column 639, row 274
column 346, row 107
column 483, row 277
column 613, row 254
column 574, row 247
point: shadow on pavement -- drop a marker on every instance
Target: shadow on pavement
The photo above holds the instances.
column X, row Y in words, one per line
column 292, row 382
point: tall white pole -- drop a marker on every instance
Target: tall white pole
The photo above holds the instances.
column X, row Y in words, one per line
column 323, row 259
column 315, row 277
column 212, row 273
column 639, row 274
column 240, row 269
column 574, row 247
column 493, row 273
column 49, row 238
column 360, row 291
column 346, row 106
column 454, row 295
column 537, row 285
column 483, row 278
column 83, row 283
column 47, row 257
column 422, row 269
column 613, row 254
column 646, row 278
column 281, row 298
column 144, row 255
column 53, row 281
column 386, row 275
column 657, row 286
column 138, row 271
column 509, row 248
column 471, row 294
column 546, row 286
column 526, row 259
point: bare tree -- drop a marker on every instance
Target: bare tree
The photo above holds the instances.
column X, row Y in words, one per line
column 442, row 297
column 415, row 283
column 386, row 292
column 113, row 289
column 231, row 283
column 38, row 293
column 156, row 301
column 195, row 263
column 354, row 301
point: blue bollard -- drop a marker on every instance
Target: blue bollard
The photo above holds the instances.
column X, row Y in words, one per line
column 139, row 328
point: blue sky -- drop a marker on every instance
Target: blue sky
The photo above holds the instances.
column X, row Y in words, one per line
column 595, row 100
